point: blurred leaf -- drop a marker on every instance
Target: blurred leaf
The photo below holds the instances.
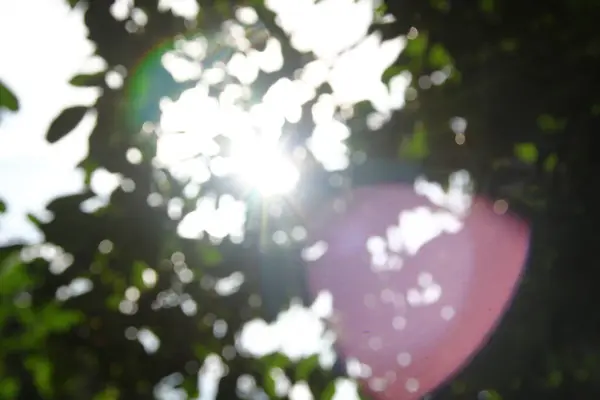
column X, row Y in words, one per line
column 201, row 351
column 306, row 367
column 224, row 8
column 555, row 378
column 550, row 163
column 392, row 71
column 490, row 395
column 8, row 99
column 190, row 385
column 415, row 147
column 110, row 393
column 269, row 384
column 328, row 392
column 2, row 207
column 88, row 80
column 13, row 275
column 211, row 256
column 137, row 271
column 440, row 5
column 416, row 47
column 439, row 56
column 526, row 152
column 113, row 301
column 381, row 10
column 34, row 220
column 65, row 123
column 487, row 6
column 88, row 166
column 54, row 318
column 509, row 45
column 548, row 123
column 9, row 388
column 41, row 369
column 275, row 360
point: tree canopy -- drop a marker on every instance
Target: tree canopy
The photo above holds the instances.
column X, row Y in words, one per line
column 499, row 88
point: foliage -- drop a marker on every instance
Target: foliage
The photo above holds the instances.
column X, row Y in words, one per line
column 521, row 75
column 65, row 123
column 8, row 99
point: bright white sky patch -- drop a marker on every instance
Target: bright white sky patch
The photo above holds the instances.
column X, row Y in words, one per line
column 32, row 171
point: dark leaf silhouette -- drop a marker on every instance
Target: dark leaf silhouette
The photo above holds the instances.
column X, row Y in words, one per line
column 65, row 123
column 35, row 220
column 88, row 80
column 8, row 99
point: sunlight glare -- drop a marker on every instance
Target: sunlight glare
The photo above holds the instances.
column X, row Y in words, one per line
column 261, row 165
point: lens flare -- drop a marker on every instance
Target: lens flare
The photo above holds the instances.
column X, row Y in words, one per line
column 418, row 281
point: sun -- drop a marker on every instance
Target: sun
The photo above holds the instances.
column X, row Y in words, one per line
column 262, row 166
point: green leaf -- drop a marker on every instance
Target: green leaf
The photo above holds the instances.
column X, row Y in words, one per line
column 440, row 5
column 329, row 392
column 41, row 369
column 306, row 367
column 201, row 351
column 275, row 360
column 548, row 123
column 13, row 275
column 65, row 123
column 487, row 6
column 34, row 220
column 381, row 10
column 88, row 166
column 113, row 301
column 269, row 384
column 2, row 207
column 88, row 80
column 8, row 99
column 416, row 147
column 56, row 319
column 526, row 152
column 392, row 71
column 137, row 271
column 416, row 47
column 439, row 56
column 190, row 385
column 211, row 256
column 224, row 8
column 9, row 388
column 110, row 393
column 550, row 162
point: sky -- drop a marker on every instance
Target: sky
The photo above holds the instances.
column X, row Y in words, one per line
column 50, row 45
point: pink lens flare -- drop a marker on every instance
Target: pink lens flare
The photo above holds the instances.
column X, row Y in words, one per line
column 413, row 313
